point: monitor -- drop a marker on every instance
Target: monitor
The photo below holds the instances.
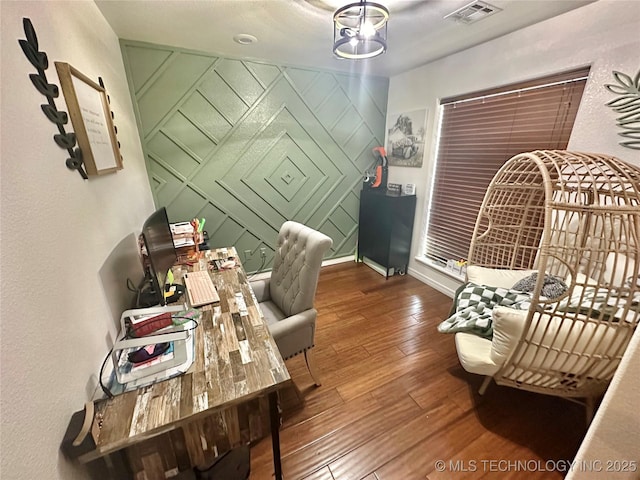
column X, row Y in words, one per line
column 161, row 252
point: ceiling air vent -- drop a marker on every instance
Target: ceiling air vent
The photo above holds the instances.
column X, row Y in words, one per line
column 473, row 12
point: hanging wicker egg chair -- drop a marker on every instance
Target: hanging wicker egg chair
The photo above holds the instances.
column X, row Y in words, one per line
column 576, row 217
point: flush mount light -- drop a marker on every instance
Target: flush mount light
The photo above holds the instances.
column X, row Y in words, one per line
column 360, row 30
column 244, row 39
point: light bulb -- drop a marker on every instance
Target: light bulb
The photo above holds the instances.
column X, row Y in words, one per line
column 368, row 30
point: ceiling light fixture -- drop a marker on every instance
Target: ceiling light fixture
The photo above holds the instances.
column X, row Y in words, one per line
column 360, row 30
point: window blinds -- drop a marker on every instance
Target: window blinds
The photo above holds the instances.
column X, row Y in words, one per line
column 478, row 134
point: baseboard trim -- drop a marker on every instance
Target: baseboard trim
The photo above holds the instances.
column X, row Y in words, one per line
column 431, row 282
column 375, row 266
column 325, row 263
column 335, row 261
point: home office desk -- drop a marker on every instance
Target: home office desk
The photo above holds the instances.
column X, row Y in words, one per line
column 170, row 426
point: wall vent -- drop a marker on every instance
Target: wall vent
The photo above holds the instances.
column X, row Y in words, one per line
column 473, row 12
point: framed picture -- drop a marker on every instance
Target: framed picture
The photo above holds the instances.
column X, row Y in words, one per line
column 91, row 118
column 405, row 138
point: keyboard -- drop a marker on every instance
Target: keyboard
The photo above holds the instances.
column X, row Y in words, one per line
column 200, row 288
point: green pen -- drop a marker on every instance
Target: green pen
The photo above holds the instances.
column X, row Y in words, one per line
column 201, row 226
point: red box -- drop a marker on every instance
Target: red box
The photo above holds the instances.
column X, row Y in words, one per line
column 149, row 324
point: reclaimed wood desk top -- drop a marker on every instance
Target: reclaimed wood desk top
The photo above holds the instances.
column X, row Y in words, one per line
column 235, row 360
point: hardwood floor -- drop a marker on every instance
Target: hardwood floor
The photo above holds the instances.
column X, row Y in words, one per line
column 394, row 399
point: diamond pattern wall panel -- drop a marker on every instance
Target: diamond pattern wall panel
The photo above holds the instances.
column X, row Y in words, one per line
column 249, row 145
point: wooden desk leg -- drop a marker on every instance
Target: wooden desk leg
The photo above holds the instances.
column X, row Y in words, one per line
column 275, row 433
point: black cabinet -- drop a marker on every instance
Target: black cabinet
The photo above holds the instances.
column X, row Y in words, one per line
column 385, row 228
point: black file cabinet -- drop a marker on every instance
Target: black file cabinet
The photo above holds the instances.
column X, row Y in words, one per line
column 385, row 228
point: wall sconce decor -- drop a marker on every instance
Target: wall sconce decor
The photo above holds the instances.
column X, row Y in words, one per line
column 360, row 30
column 40, row 61
column 628, row 104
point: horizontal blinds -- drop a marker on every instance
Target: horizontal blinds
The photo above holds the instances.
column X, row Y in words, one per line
column 478, row 134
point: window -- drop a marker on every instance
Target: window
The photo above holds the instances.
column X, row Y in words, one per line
column 479, row 132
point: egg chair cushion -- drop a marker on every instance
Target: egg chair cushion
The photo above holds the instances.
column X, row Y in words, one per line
column 496, row 277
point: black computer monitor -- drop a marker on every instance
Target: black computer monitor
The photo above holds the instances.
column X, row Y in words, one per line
column 161, row 252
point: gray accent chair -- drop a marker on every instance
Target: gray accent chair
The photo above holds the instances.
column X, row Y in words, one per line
column 286, row 298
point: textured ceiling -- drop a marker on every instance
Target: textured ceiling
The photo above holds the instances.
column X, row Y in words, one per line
column 300, row 32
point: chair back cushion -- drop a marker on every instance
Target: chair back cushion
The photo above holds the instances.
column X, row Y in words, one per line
column 296, row 266
column 496, row 277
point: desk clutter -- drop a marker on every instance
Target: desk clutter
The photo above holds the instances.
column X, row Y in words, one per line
column 154, row 344
column 189, row 238
column 198, row 382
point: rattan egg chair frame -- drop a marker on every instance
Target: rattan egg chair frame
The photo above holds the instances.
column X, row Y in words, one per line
column 575, row 216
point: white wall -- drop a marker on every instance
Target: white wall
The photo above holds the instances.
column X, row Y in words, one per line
column 57, row 231
column 603, row 34
column 611, row 444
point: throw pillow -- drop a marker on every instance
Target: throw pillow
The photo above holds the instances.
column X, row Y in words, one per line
column 553, row 287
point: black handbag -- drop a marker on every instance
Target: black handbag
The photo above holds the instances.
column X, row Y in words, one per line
column 232, row 465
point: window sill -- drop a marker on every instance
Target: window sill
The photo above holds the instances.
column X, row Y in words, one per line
column 430, row 264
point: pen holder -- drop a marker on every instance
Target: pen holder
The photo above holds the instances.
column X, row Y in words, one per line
column 198, row 238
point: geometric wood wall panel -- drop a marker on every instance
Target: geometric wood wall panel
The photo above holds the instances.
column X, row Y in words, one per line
column 249, row 145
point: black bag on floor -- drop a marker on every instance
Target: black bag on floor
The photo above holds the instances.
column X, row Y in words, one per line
column 232, row 465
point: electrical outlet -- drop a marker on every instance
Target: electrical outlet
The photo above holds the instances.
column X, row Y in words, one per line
column 263, row 252
column 247, row 254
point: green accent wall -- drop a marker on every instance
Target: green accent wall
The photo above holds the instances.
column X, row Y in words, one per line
column 249, row 145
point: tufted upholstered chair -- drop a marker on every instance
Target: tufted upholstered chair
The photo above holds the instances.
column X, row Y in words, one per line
column 286, row 298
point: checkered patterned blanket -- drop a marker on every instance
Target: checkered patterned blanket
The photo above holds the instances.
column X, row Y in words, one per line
column 474, row 304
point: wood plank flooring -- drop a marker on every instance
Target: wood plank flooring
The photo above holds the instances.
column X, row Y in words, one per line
column 394, row 399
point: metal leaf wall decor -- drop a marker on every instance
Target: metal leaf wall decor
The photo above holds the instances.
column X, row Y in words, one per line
column 39, row 60
column 627, row 104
